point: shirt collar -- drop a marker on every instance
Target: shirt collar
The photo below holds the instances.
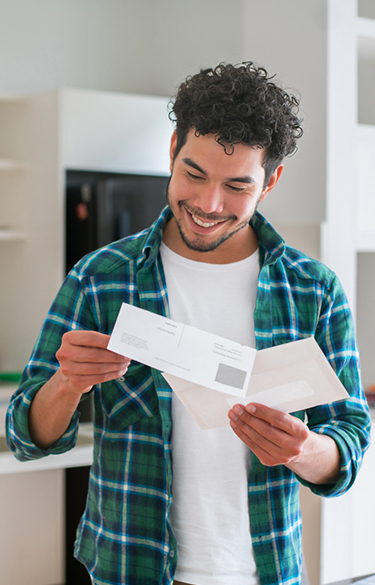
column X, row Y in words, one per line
column 271, row 244
column 152, row 244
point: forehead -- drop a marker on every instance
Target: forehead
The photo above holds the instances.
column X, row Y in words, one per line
column 237, row 159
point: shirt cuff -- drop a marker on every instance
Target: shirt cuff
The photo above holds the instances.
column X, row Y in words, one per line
column 348, row 469
column 17, row 429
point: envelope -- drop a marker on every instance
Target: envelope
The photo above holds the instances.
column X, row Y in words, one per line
column 289, row 377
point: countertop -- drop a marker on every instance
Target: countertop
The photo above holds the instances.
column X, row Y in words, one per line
column 355, row 580
column 80, row 456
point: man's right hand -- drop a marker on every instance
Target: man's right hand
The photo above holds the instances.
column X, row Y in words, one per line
column 85, row 360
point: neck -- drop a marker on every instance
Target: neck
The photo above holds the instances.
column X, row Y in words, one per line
column 238, row 247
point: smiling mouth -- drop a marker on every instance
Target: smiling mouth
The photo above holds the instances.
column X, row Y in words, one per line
column 205, row 224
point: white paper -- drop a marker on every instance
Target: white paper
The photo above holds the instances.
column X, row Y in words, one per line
column 289, row 377
column 189, row 353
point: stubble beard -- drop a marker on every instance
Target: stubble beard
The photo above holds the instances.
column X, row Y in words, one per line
column 197, row 244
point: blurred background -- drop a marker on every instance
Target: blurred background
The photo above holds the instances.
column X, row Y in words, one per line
column 84, row 88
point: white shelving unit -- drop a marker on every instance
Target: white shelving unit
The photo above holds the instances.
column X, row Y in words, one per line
column 348, row 523
column 365, row 146
column 42, row 136
column 10, row 167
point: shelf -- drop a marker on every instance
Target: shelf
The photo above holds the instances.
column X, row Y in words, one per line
column 365, row 193
column 13, row 99
column 366, row 133
column 366, row 38
column 366, row 241
column 365, row 8
column 366, row 27
column 8, row 164
column 9, row 235
column 365, row 312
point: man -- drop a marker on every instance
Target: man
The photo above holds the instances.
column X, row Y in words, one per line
column 212, row 261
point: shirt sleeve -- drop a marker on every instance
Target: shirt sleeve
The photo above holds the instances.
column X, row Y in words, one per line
column 69, row 311
column 347, row 422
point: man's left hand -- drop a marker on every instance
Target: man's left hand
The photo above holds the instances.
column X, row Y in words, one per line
column 274, row 437
column 277, row 438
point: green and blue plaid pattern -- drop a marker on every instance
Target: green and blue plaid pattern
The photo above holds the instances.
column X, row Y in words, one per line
column 125, row 536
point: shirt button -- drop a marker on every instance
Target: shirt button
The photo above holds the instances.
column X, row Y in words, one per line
column 171, row 554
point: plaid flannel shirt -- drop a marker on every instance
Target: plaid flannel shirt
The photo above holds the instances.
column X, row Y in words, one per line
column 125, row 536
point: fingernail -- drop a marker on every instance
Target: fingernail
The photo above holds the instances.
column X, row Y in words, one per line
column 251, row 408
column 238, row 409
column 232, row 416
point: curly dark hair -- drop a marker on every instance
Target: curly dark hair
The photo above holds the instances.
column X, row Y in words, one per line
column 238, row 103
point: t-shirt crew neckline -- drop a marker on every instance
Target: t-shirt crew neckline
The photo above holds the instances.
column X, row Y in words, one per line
column 248, row 262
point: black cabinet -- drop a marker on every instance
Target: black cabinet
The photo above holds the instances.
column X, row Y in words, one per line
column 76, row 482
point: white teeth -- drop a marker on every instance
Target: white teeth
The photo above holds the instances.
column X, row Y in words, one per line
column 202, row 223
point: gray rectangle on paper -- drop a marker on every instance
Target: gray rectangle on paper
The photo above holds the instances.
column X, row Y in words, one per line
column 230, row 376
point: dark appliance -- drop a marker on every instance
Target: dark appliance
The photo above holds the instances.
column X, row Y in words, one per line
column 104, row 207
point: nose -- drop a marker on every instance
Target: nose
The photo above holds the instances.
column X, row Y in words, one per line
column 210, row 199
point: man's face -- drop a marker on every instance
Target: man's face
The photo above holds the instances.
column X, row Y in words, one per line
column 213, row 196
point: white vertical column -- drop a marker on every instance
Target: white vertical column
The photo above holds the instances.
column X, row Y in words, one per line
column 339, row 239
column 339, row 242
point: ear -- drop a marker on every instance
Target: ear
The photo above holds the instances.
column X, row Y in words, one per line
column 272, row 182
column 172, row 149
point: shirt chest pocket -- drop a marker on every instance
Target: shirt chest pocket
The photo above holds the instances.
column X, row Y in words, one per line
column 130, row 398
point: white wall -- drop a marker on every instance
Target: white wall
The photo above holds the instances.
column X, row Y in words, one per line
column 150, row 46
column 297, row 55
column 136, row 46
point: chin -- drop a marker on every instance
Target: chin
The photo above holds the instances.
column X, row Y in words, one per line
column 198, row 243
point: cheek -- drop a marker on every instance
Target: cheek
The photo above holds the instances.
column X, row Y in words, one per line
column 180, row 189
column 243, row 209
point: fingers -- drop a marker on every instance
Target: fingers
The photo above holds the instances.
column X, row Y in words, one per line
column 275, row 437
column 82, row 383
column 82, row 354
column 93, row 368
column 87, row 339
column 262, row 417
column 265, row 453
column 85, row 360
column 88, row 346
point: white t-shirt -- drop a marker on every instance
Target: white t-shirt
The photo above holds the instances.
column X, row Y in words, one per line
column 210, row 513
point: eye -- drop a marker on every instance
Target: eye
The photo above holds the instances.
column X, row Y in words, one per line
column 237, row 189
column 194, row 177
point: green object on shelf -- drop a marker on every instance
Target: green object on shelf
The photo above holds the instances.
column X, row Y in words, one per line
column 10, row 377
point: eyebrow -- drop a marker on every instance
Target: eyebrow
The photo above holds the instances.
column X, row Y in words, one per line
column 189, row 162
column 246, row 179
